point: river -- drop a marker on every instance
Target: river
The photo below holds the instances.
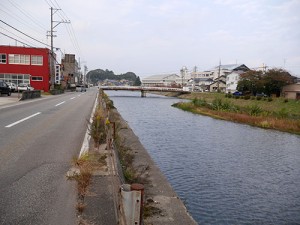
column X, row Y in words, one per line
column 225, row 173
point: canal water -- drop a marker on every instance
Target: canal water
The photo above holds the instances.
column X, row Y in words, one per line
column 225, row 173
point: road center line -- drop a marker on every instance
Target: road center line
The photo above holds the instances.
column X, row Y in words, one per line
column 19, row 121
column 60, row 103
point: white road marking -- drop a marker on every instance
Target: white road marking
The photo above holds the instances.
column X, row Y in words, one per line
column 22, row 120
column 60, row 103
column 72, row 98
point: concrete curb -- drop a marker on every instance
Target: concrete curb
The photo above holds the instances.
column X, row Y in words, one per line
column 87, row 137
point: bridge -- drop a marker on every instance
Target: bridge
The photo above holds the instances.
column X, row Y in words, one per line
column 143, row 89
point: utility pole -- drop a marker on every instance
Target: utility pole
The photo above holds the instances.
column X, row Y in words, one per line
column 52, row 59
column 181, row 71
column 84, row 75
column 219, row 76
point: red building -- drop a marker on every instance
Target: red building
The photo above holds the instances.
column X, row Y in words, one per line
column 26, row 65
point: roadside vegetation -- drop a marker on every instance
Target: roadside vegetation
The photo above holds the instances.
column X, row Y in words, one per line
column 265, row 112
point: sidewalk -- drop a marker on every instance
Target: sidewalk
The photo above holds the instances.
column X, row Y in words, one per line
column 101, row 203
column 7, row 100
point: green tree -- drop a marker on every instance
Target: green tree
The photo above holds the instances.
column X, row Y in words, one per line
column 251, row 82
column 137, row 82
column 275, row 79
column 97, row 75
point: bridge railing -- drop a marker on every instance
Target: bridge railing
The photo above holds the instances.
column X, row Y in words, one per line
column 141, row 88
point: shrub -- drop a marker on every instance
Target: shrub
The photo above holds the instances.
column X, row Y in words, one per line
column 252, row 98
column 199, row 102
column 254, row 110
column 217, row 104
column 258, row 98
column 97, row 128
column 282, row 113
column 286, row 100
column 270, row 99
column 247, row 97
column 226, row 106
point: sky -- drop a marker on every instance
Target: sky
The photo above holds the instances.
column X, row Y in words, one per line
column 150, row 37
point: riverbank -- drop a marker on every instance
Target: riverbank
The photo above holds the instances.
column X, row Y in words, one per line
column 162, row 204
column 268, row 113
column 116, row 157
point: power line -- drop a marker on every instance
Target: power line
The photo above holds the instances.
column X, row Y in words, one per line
column 26, row 14
column 24, row 33
column 18, row 18
column 23, row 43
column 15, row 39
column 14, row 34
column 69, row 30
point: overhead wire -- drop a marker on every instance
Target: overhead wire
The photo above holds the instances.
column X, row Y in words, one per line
column 69, row 30
column 23, row 33
column 27, row 15
column 50, row 3
column 16, row 17
column 16, row 35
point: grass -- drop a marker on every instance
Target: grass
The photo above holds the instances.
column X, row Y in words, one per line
column 85, row 166
column 83, row 177
column 276, row 114
column 275, row 105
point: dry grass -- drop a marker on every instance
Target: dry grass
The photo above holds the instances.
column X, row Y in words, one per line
column 292, row 106
column 80, row 207
column 267, row 122
column 83, row 178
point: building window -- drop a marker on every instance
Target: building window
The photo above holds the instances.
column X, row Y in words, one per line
column 15, row 78
column 25, row 59
column 36, row 78
column 37, row 60
column 14, row 59
column 19, row 59
column 2, row 58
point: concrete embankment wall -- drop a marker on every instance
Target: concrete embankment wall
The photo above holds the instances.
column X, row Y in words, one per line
column 161, row 200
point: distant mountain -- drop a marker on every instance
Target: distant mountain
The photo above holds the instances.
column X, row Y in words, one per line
column 94, row 76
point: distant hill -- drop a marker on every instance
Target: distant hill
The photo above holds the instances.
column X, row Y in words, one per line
column 94, row 76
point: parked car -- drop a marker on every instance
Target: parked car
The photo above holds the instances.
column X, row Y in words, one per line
column 4, row 88
column 12, row 86
column 24, row 87
column 237, row 93
column 80, row 88
column 261, row 95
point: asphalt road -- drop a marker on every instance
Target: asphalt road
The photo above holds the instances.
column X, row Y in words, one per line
column 38, row 140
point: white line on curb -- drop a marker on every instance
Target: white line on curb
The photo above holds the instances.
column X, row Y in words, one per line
column 19, row 121
column 87, row 137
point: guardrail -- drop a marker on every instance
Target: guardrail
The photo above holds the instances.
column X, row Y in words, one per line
column 30, row 94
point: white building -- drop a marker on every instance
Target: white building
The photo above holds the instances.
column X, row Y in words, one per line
column 227, row 69
column 163, row 80
column 232, row 80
